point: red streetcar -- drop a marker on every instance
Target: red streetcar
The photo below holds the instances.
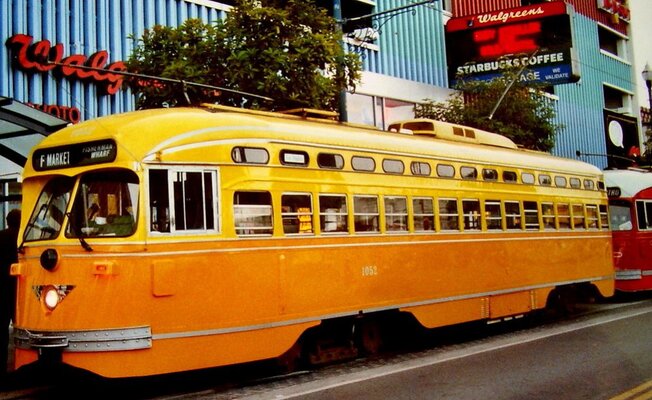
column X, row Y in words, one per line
column 630, row 210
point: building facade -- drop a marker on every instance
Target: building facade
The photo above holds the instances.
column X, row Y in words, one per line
column 599, row 111
column 402, row 44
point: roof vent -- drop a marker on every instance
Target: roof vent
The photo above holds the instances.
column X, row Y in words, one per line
column 452, row 132
column 311, row 113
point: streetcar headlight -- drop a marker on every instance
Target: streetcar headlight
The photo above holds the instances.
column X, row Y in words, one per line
column 51, row 297
column 49, row 259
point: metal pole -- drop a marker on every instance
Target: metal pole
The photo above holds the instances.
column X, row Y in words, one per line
column 648, row 83
column 509, row 86
column 337, row 14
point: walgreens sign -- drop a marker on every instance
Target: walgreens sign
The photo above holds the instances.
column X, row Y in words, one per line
column 42, row 57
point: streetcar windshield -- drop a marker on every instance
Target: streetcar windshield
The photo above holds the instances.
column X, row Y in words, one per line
column 47, row 217
column 106, row 204
column 620, row 217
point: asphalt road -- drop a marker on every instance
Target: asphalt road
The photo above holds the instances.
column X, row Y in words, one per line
column 594, row 357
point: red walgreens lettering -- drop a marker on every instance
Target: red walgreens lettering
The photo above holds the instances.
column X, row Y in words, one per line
column 38, row 57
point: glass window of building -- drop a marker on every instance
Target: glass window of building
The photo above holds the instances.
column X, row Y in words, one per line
column 612, row 42
column 377, row 111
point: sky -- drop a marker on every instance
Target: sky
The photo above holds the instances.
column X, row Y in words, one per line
column 641, row 35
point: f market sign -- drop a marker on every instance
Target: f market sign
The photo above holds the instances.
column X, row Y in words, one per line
column 42, row 57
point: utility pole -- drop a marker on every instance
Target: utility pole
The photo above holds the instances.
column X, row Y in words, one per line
column 337, row 14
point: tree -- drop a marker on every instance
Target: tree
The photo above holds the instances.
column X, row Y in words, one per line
column 286, row 50
column 524, row 115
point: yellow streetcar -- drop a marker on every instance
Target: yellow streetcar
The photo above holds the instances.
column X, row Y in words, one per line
column 178, row 239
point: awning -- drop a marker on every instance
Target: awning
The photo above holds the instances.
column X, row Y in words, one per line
column 23, row 127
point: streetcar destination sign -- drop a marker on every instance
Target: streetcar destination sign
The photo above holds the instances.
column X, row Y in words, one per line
column 75, row 155
column 613, row 191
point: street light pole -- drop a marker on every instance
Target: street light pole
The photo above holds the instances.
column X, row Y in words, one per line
column 647, row 77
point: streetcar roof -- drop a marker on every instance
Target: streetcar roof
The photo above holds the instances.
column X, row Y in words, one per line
column 142, row 136
column 630, row 181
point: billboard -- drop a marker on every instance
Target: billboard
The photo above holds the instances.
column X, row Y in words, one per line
column 537, row 38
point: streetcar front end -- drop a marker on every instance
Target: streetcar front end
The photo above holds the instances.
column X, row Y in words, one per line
column 80, row 213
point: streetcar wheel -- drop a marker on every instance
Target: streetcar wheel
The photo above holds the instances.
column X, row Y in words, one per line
column 562, row 301
column 369, row 336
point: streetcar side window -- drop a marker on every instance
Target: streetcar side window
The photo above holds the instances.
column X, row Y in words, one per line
column 548, row 215
column 604, row 217
column 563, row 216
column 545, row 180
column 489, row 174
column 531, row 210
column 360, row 163
column 252, row 155
column 183, row 200
column 648, row 213
column 592, row 216
column 193, row 200
column 333, row 213
column 469, row 173
column 644, row 214
column 619, row 216
column 510, row 176
column 560, row 181
column 330, row 161
column 589, row 185
column 423, row 214
column 527, row 178
column 512, row 215
column 393, row 166
column 578, row 216
column 445, row 171
column 296, row 213
column 365, row 213
column 493, row 215
column 252, row 213
column 471, row 211
column 396, row 215
column 448, row 217
column 420, row 168
column 159, row 201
